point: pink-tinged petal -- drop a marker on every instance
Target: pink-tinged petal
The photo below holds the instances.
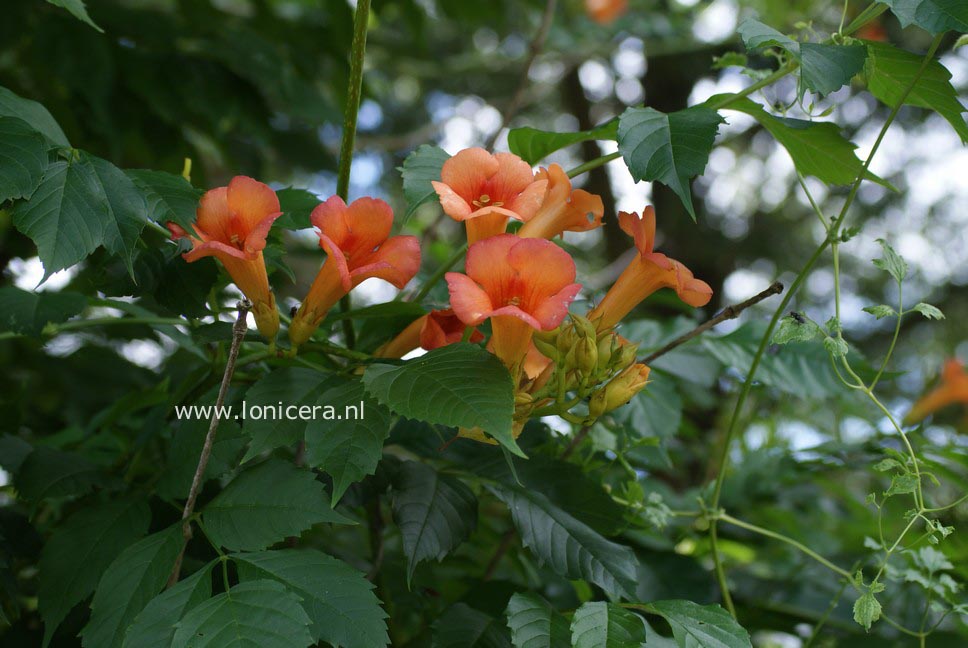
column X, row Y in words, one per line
column 177, row 231
column 642, row 230
column 553, row 310
column 330, row 217
column 694, row 292
column 370, row 221
column 584, row 204
column 468, row 171
column 452, row 204
column 251, row 200
column 527, row 203
column 213, row 214
column 514, row 311
column 513, row 176
column 334, row 255
column 398, row 260
column 491, row 209
column 256, row 240
column 217, row 249
column 659, row 260
column 468, row 300
column 487, row 264
column 544, row 269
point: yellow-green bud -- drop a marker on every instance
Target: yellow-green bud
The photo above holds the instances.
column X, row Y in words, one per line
column 547, row 349
column 586, row 357
column 624, row 386
column 583, row 327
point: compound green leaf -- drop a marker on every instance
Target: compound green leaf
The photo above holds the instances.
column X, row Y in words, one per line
column 27, row 312
column 569, row 546
column 420, row 169
column 124, row 209
column 77, row 9
column 935, row 16
column 891, row 71
column 255, row 613
column 13, row 105
column 340, row 602
column 607, row 625
column 709, row 626
column 533, row 145
column 825, row 68
column 47, row 473
column 670, row 148
column 23, row 158
column 154, row 627
column 458, row 385
column 535, row 624
column 266, row 504
column 756, row 35
column 169, row 197
column 130, row 582
column 80, row 550
column 350, row 445
column 434, row 512
column 462, row 626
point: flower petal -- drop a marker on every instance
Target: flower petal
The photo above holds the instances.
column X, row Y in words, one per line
column 467, row 172
column 396, row 261
column 335, row 256
column 213, row 215
column 642, row 230
column 217, row 249
column 252, row 201
column 468, row 300
column 552, row 310
column 527, row 203
column 452, row 204
column 256, row 240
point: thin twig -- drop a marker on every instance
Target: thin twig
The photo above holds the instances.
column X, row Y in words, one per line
column 517, row 99
column 730, row 312
column 238, row 334
column 502, row 548
column 576, row 441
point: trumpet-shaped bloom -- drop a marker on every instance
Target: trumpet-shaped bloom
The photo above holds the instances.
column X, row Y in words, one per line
column 563, row 209
column 520, row 285
column 952, row 389
column 231, row 225
column 648, row 272
column 358, row 246
column 435, row 329
column 484, row 190
column 605, row 11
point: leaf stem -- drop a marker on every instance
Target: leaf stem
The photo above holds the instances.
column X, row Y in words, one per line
column 439, row 273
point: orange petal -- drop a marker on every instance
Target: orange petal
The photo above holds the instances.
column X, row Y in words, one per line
column 642, row 230
column 513, row 176
column 396, row 261
column 544, row 269
column 336, row 261
column 527, row 203
column 251, row 200
column 452, row 204
column 468, row 171
column 487, row 264
column 468, row 300
column 370, row 221
column 213, row 215
column 217, row 249
column 553, row 309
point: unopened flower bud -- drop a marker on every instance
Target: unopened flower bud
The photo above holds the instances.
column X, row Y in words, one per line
column 586, row 357
column 624, row 386
column 547, row 349
column 583, row 327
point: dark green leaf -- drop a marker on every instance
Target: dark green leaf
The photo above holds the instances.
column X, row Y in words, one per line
column 435, row 512
column 419, row 169
column 567, row 545
column 934, row 16
column 533, row 145
column 457, row 385
column 127, row 586
column 256, row 613
column 79, row 552
column 653, row 413
column 291, row 386
column 349, row 446
column 23, row 158
column 817, row 148
column 12, row 105
column 535, row 624
column 250, row 515
column 154, row 627
column 170, row 197
column 891, row 71
column 47, row 473
column 296, row 205
column 825, row 68
column 461, row 626
column 77, row 9
column 64, row 215
column 339, row 600
column 669, row 148
column 756, row 35
column 28, row 312
column 709, row 626
column 607, row 625
column 123, row 209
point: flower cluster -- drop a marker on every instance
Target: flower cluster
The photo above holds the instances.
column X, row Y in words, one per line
column 517, row 287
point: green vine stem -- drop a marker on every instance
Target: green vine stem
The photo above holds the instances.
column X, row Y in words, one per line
column 831, row 240
column 353, row 95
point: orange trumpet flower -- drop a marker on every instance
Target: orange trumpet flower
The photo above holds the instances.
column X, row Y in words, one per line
column 435, row 329
column 953, row 389
column 563, row 209
column 605, row 11
column 648, row 272
column 231, row 224
column 358, row 246
column 485, row 190
column 520, row 285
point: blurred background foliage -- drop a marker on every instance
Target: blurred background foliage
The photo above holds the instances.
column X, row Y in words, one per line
column 257, row 86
